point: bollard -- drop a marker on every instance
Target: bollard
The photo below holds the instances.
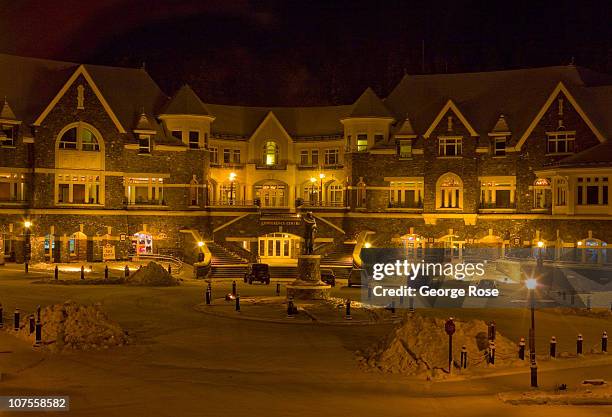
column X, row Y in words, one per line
column 290, row 309
column 27, row 267
column 393, row 315
column 16, row 319
column 492, row 352
column 169, row 269
column 401, row 300
column 234, row 288
column 411, row 304
column 238, row 303
column 278, row 289
column 579, row 345
column 82, row 272
column 31, row 322
column 588, row 303
column 604, row 342
column 56, row 272
column 348, row 310
column 553, row 347
column 521, row 352
column 106, row 272
column 492, row 330
column 463, row 357
column 127, row 271
column 208, row 296
column 38, row 336
column 369, row 292
column 1, row 316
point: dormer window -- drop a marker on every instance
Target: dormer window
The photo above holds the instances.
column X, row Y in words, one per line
column 79, row 138
column 7, row 135
column 194, row 139
column 177, row 134
column 560, row 142
column 362, row 142
column 379, row 137
column 144, row 144
column 270, row 153
column 499, row 146
column 404, row 149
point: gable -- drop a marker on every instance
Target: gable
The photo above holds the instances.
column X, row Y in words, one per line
column 452, row 108
column 81, row 71
column 560, row 89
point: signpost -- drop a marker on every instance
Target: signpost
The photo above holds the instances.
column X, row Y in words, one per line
column 449, row 327
column 108, row 252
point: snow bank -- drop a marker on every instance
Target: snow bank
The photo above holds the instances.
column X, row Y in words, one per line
column 419, row 346
column 153, row 275
column 71, row 326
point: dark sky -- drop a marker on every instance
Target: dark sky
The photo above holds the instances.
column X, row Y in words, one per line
column 307, row 52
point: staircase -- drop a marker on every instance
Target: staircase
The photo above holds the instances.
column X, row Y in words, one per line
column 225, row 264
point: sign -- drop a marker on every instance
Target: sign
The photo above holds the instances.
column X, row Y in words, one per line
column 108, row 252
column 122, row 237
column 280, row 222
column 449, row 327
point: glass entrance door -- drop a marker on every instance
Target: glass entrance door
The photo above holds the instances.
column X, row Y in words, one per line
column 278, row 246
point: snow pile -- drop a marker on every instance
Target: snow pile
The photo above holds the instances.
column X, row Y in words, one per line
column 419, row 346
column 152, row 275
column 71, row 326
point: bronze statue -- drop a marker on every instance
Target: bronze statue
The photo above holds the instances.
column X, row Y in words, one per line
column 309, row 234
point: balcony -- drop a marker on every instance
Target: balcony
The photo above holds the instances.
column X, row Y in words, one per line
column 333, row 166
column 280, row 166
column 323, row 204
column 497, row 207
column 231, row 204
column 405, row 205
column 227, row 165
column 146, row 204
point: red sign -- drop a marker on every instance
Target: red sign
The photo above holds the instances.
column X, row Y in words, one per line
column 449, row 327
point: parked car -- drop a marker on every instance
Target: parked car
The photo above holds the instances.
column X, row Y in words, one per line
column 328, row 276
column 258, row 273
column 354, row 277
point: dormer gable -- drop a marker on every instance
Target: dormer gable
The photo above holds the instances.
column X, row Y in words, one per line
column 405, row 130
column 450, row 121
column 7, row 115
column 186, row 103
column 369, row 105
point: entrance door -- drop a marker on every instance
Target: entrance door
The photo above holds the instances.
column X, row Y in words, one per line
column 271, row 195
column 278, row 246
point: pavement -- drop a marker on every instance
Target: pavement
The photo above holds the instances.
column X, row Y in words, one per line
column 185, row 363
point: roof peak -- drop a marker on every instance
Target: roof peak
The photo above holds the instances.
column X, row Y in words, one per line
column 186, row 102
column 370, row 105
column 7, row 113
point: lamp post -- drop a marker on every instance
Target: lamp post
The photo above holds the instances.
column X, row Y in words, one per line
column 232, row 178
column 540, row 260
column 531, row 285
column 321, row 176
column 313, row 180
column 28, row 242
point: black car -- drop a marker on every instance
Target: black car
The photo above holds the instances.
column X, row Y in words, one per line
column 328, row 276
column 258, row 273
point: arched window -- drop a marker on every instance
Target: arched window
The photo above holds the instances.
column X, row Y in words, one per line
column 270, row 153
column 541, row 187
column 335, row 194
column 79, row 137
column 449, row 192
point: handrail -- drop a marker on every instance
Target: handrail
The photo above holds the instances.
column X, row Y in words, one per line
column 167, row 258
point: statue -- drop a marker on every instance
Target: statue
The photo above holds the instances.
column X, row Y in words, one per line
column 309, row 233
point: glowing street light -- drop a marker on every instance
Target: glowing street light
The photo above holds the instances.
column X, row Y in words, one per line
column 313, row 180
column 367, row 245
column 200, row 244
column 321, row 176
column 27, row 224
column 531, row 284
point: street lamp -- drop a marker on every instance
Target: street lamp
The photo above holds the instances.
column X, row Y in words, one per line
column 232, row 178
column 321, row 176
column 28, row 243
column 531, row 284
column 540, row 259
column 313, row 180
column 367, row 245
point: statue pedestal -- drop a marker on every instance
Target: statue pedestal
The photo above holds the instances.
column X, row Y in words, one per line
column 308, row 286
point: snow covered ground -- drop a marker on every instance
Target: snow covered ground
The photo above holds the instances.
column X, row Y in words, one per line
column 181, row 362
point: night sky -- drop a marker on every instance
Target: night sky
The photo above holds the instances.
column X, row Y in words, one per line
column 309, row 52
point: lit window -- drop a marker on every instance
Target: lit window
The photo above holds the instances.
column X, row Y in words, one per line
column 497, row 192
column 449, row 146
column 561, row 142
column 560, row 192
column 541, row 187
column 81, row 138
column 12, row 187
column 194, row 139
column 144, row 191
column 404, row 148
column 449, row 192
column 214, row 155
column 77, row 189
column 362, row 143
column 406, row 194
column 270, row 153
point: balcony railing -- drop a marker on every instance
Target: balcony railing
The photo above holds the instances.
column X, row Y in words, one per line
column 231, row 203
column 12, row 201
column 146, row 203
column 405, row 205
column 279, row 166
column 497, row 205
column 323, row 204
column 228, row 165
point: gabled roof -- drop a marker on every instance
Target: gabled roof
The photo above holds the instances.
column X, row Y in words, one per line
column 596, row 156
column 450, row 106
column 482, row 96
column 186, row 102
column 7, row 113
column 370, row 105
column 144, row 123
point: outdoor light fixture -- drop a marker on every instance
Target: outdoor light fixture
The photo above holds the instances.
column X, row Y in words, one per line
column 540, row 244
column 200, row 243
column 367, row 245
column 531, row 283
column 27, row 224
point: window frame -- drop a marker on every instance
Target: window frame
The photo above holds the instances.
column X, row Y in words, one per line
column 448, row 142
column 561, row 136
